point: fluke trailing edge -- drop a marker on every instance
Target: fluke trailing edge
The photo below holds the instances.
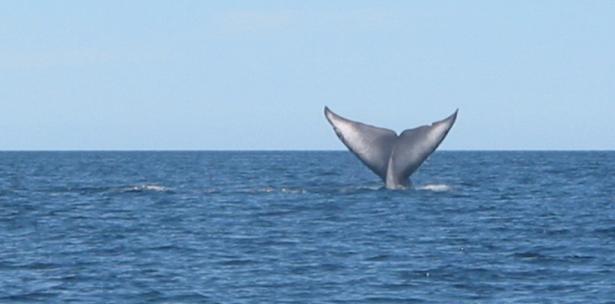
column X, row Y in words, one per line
column 392, row 157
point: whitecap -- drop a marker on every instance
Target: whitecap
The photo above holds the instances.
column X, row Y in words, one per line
column 293, row 190
column 266, row 190
column 435, row 187
column 147, row 187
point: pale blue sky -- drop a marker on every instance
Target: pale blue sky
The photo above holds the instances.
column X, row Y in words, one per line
column 256, row 74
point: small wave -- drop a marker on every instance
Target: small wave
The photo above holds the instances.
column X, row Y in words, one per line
column 293, row 190
column 211, row 190
column 435, row 187
column 361, row 188
column 146, row 188
column 266, row 189
column 274, row 190
column 375, row 187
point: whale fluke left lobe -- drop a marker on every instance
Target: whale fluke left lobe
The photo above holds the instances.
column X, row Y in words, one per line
column 372, row 145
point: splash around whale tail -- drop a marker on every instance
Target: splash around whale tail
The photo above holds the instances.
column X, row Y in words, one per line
column 392, row 157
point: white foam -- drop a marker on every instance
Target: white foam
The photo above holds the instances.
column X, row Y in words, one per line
column 283, row 190
column 267, row 190
column 292, row 190
column 435, row 187
column 149, row 187
column 361, row 188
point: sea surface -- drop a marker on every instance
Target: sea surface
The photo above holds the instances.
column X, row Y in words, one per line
column 305, row 227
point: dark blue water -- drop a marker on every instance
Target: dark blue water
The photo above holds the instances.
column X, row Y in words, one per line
column 305, row 227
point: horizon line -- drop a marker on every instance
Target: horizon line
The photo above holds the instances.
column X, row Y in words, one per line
column 292, row 150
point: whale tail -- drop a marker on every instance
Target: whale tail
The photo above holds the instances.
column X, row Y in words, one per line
column 392, row 157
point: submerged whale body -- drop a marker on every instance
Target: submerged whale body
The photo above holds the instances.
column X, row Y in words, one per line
column 392, row 157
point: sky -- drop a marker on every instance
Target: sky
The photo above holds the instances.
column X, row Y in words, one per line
column 255, row 75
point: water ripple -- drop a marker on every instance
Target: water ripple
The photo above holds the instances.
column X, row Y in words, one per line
column 284, row 227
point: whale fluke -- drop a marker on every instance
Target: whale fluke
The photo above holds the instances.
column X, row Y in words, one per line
column 392, row 157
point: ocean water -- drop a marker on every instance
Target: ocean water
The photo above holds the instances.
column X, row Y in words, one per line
column 305, row 227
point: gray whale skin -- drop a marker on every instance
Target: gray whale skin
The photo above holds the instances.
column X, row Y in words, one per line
column 392, row 157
